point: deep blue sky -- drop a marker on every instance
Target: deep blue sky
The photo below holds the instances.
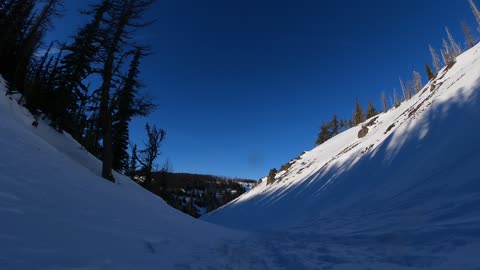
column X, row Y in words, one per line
column 243, row 86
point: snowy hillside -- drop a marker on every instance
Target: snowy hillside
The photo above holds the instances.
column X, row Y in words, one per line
column 405, row 195
column 57, row 213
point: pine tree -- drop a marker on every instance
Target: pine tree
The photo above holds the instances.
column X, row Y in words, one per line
column 384, row 102
column 435, row 59
column 132, row 166
column 334, row 125
column 468, row 35
column 72, row 93
column 371, row 111
column 417, row 82
column 271, row 176
column 127, row 105
column 29, row 44
column 429, row 71
column 358, row 115
column 14, row 22
column 124, row 16
column 324, row 135
column 410, row 89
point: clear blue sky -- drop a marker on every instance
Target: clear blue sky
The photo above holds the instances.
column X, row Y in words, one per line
column 243, row 86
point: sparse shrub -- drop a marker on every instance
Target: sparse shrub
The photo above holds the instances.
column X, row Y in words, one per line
column 271, row 176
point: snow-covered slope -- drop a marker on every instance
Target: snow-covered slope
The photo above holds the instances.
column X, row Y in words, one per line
column 57, row 213
column 405, row 195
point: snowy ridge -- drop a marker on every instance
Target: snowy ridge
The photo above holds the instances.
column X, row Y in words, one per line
column 412, row 184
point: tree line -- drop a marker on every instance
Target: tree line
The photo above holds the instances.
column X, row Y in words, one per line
column 88, row 86
column 196, row 194
column 449, row 51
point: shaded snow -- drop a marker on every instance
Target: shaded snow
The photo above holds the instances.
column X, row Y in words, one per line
column 57, row 213
column 406, row 196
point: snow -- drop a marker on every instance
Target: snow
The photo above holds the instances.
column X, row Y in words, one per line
column 57, row 213
column 402, row 197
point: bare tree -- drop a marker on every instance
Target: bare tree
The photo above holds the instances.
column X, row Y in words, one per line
column 456, row 51
column 417, row 82
column 446, row 53
column 468, row 35
column 475, row 11
column 402, row 86
column 149, row 154
column 384, row 102
column 435, row 59
column 396, row 100
column 409, row 89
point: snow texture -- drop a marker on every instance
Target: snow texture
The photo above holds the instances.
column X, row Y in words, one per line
column 405, row 196
column 56, row 212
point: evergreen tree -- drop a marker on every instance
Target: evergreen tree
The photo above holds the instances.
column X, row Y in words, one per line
column 127, row 105
column 468, row 35
column 37, row 92
column 271, row 176
column 32, row 39
column 429, row 71
column 132, row 167
column 330, row 129
column 124, row 15
column 14, row 22
column 358, row 115
column 371, row 111
column 324, row 135
column 335, row 125
column 350, row 123
column 72, row 93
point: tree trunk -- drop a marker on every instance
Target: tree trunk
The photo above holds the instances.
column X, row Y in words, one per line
column 107, row 157
column 105, row 114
